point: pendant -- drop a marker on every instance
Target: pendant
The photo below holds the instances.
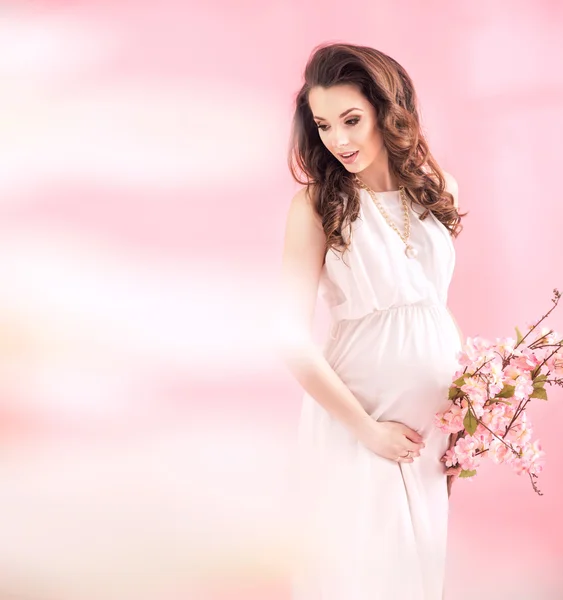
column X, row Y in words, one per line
column 411, row 252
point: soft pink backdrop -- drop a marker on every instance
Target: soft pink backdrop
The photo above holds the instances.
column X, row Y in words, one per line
column 145, row 428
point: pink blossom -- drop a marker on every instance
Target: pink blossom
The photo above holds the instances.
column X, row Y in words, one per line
column 475, row 352
column 465, row 450
column 505, row 345
column 450, row 458
column 476, row 389
column 451, row 420
column 464, row 359
column 534, row 324
column 499, row 451
column 485, row 375
column 555, row 364
column 497, row 417
column 441, row 422
column 531, row 459
column 520, row 435
column 524, row 386
column 521, row 431
column 483, row 436
column 496, row 376
column 527, row 361
column 512, row 371
column 547, row 336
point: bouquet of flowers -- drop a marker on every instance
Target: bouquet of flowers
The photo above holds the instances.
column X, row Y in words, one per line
column 489, row 395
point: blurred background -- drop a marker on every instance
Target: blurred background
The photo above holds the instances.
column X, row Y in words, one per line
column 146, row 431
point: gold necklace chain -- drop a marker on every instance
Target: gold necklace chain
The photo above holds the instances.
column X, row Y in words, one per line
column 409, row 250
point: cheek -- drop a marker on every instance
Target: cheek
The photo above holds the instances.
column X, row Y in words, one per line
column 365, row 135
column 327, row 141
column 372, row 138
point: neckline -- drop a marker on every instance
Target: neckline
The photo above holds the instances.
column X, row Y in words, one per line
column 385, row 192
column 390, row 201
column 383, row 196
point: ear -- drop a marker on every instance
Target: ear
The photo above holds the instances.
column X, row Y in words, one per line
column 451, row 187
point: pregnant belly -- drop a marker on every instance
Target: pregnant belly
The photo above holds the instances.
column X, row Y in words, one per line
column 398, row 363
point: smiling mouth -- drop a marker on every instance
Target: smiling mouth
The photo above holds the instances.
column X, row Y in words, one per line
column 348, row 154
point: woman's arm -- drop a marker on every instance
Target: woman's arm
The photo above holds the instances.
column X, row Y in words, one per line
column 303, row 256
column 302, row 261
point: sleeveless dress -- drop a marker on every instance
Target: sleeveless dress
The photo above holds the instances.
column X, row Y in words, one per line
column 373, row 528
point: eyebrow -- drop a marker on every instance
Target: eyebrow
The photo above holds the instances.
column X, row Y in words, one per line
column 342, row 115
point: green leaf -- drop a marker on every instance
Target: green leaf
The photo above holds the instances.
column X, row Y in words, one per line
column 465, row 473
column 459, row 382
column 497, row 400
column 540, row 380
column 539, row 392
column 470, row 422
column 506, row 392
column 454, row 393
column 519, row 336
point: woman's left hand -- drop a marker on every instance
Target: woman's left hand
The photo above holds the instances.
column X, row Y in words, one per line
column 451, row 472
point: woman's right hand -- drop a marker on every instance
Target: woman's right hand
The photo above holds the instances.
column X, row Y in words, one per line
column 391, row 440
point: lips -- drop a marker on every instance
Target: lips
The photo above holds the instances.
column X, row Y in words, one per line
column 348, row 157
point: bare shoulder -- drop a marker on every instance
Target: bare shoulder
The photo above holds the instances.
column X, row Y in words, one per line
column 452, row 187
column 302, row 260
column 303, row 209
column 304, row 236
column 305, row 195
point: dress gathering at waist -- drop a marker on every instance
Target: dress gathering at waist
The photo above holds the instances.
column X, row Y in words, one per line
column 432, row 305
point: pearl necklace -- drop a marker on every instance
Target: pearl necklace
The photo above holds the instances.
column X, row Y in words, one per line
column 409, row 250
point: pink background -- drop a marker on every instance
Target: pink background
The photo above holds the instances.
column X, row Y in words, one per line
column 145, row 428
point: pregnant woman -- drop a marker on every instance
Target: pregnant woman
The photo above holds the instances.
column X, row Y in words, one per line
column 372, row 230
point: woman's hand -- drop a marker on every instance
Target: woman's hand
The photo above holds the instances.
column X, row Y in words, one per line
column 391, row 440
column 451, row 472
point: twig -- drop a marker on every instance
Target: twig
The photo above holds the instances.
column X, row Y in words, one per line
column 555, row 300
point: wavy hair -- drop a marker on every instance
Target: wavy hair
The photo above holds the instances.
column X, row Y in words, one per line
column 386, row 84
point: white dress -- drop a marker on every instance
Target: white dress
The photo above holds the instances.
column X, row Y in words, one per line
column 373, row 528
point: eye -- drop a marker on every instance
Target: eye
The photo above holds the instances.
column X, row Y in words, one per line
column 352, row 122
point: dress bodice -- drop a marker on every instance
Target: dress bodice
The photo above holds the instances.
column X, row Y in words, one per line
column 375, row 274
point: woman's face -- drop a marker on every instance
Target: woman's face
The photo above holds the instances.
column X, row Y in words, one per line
column 347, row 123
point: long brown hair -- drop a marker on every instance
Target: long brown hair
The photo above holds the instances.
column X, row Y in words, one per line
column 386, row 84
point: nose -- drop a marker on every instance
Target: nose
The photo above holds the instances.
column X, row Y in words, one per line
column 340, row 140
